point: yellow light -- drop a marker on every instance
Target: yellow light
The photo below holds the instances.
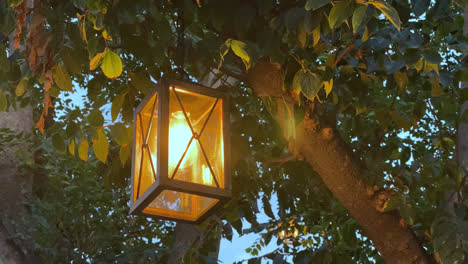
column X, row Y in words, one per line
column 296, row 232
column 207, row 179
column 179, row 138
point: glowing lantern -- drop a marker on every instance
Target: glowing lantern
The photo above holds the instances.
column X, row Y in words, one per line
column 180, row 168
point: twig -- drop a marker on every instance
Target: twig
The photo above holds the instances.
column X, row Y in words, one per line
column 350, row 46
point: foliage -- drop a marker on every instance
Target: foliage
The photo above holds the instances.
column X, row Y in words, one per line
column 77, row 216
column 387, row 73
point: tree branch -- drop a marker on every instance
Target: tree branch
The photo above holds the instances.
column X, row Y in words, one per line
column 340, row 170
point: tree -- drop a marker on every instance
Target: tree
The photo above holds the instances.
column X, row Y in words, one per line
column 346, row 111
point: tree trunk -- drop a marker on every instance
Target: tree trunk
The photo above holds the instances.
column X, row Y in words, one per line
column 462, row 138
column 334, row 162
column 187, row 234
column 12, row 187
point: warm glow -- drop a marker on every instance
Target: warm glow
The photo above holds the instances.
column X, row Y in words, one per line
column 179, row 138
column 207, row 179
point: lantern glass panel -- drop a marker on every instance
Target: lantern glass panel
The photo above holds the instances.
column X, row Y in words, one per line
column 180, row 205
column 145, row 158
column 195, row 138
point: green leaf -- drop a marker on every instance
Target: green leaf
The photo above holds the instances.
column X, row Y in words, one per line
column 7, row 23
column 436, row 90
column 124, row 153
column 339, row 13
column 294, row 17
column 62, row 79
column 302, row 35
column 401, row 79
column 21, row 87
column 359, row 17
column 314, row 4
column 392, row 203
column 83, row 150
column 111, row 64
column 71, row 60
column 310, row 85
column 142, row 82
column 95, row 118
column 15, row 3
column 59, row 143
column 240, row 49
column 117, row 104
column 419, row 6
column 121, row 134
column 100, row 145
column 296, row 84
column 267, row 207
column 462, row 75
column 388, row 11
column 3, row 102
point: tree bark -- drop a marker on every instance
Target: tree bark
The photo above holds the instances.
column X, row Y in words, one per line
column 331, row 159
column 187, row 234
column 462, row 138
column 12, row 187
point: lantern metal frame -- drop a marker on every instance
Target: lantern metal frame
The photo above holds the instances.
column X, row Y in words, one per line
column 163, row 181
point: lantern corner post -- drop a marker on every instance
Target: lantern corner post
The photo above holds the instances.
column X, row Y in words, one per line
column 163, row 133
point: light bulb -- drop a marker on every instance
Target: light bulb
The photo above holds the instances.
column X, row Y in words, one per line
column 179, row 138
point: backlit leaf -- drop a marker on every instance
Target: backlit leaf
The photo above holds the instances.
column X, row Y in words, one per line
column 428, row 67
column 418, row 65
column 365, row 36
column 101, row 145
column 83, row 150
column 21, row 87
column 388, row 11
column 71, row 147
column 62, row 79
column 401, row 79
column 96, row 61
column 316, row 35
column 111, row 64
column 328, row 86
column 240, row 49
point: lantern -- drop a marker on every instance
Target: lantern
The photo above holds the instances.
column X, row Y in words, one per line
column 180, row 168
